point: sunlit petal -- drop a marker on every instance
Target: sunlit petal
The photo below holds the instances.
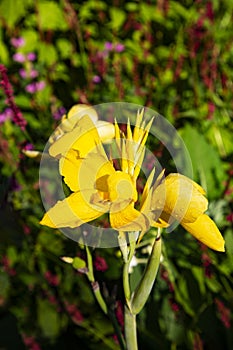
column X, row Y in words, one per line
column 80, row 110
column 180, row 197
column 105, row 130
column 88, row 173
column 73, row 211
column 121, row 187
column 126, row 218
column 83, row 138
column 205, row 230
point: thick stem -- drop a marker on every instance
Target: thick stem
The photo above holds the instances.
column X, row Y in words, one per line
column 130, row 330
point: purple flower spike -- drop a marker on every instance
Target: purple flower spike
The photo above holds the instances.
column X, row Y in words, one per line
column 19, row 57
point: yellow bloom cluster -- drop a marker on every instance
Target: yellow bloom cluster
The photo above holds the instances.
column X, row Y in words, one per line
column 99, row 188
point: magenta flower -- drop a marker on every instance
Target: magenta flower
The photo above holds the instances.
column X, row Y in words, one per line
column 108, row 46
column 33, row 73
column 59, row 113
column 17, row 42
column 35, row 86
column 100, row 264
column 119, row 47
column 96, row 79
column 19, row 57
column 7, row 114
column 31, row 88
column 40, row 85
column 31, row 56
column 23, row 73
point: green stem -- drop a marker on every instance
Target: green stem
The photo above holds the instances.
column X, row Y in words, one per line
column 130, row 330
column 145, row 285
column 127, row 257
column 95, row 284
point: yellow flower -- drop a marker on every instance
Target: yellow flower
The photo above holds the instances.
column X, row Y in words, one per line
column 183, row 200
column 99, row 188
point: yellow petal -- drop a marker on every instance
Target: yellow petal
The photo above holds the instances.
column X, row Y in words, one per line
column 94, row 172
column 83, row 138
column 88, row 173
column 79, row 110
column 105, row 130
column 180, row 197
column 121, row 187
column 73, row 211
column 137, row 132
column 124, row 217
column 69, row 166
column 205, row 230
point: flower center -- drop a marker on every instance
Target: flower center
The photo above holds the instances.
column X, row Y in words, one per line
column 121, row 187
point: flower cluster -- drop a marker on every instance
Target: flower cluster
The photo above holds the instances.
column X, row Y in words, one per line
column 28, row 71
column 98, row 188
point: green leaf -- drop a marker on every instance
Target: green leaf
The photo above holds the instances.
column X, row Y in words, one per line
column 117, row 18
column 51, row 16
column 12, row 255
column 182, row 296
column 65, row 48
column 4, row 284
column 198, row 273
column 47, row 54
column 78, row 263
column 229, row 242
column 31, row 38
column 207, row 166
column 4, row 55
column 13, row 10
column 213, row 285
column 174, row 330
column 48, row 319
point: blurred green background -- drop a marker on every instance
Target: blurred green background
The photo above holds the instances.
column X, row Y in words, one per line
column 175, row 57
